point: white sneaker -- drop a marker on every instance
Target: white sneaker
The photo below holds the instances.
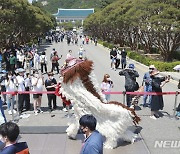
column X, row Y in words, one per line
column 65, row 110
column 9, row 112
column 153, row 117
column 72, row 108
column 36, row 112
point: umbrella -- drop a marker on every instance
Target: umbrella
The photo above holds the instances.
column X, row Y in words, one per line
column 177, row 68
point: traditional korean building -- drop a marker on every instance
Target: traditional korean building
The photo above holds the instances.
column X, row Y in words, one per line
column 72, row 15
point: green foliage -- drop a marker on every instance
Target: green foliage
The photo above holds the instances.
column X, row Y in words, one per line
column 53, row 5
column 161, row 66
column 21, row 22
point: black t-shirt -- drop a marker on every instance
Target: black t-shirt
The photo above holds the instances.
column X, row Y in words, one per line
column 50, row 83
column 123, row 54
column 113, row 54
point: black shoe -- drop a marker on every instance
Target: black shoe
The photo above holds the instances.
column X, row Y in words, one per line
column 54, row 108
column 50, row 110
column 4, row 103
column 145, row 105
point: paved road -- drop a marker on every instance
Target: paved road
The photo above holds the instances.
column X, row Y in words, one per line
column 55, row 140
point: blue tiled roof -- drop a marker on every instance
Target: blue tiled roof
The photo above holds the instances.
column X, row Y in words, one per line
column 74, row 12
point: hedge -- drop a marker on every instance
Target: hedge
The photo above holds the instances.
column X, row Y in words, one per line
column 161, row 66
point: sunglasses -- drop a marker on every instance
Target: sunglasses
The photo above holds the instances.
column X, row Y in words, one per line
column 151, row 68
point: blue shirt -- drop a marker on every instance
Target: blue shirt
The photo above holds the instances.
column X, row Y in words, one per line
column 93, row 144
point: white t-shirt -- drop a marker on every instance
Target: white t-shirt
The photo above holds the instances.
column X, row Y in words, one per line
column 20, row 81
column 39, row 86
column 11, row 87
column 27, row 82
column 106, row 87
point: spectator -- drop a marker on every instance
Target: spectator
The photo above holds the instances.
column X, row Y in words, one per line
column 2, row 115
column 28, row 58
column 157, row 102
column 106, row 86
column 55, row 63
column 21, row 88
column 3, row 87
column 50, row 85
column 123, row 58
column 130, row 81
column 113, row 56
column 36, row 61
column 21, row 58
column 147, row 86
column 69, row 55
column 10, row 83
column 43, row 61
column 93, row 143
column 81, row 52
column 12, row 61
column 27, row 89
column 118, row 58
column 37, row 83
column 52, row 53
column 0, row 62
column 95, row 41
column 178, row 108
column 10, row 132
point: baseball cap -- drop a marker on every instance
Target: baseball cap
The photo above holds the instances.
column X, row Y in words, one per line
column 131, row 66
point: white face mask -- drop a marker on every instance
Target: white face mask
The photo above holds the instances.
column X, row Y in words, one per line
column 9, row 76
column 36, row 75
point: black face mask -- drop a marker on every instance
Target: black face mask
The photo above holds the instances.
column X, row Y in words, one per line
column 81, row 131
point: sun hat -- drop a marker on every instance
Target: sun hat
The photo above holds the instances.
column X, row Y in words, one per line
column 152, row 67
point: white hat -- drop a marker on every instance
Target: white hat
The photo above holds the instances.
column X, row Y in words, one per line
column 152, row 66
column 20, row 70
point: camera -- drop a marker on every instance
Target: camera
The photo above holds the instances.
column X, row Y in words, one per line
column 168, row 77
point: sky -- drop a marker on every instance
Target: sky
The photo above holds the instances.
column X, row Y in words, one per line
column 30, row 1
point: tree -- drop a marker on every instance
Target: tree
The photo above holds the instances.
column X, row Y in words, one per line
column 150, row 23
column 21, row 22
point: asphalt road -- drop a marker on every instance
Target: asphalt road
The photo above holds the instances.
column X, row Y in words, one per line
column 162, row 129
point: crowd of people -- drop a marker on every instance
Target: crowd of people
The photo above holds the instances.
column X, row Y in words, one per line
column 22, row 74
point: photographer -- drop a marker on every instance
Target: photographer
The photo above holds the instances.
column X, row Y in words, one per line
column 157, row 102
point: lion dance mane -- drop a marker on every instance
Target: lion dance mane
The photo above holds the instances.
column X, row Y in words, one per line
column 80, row 86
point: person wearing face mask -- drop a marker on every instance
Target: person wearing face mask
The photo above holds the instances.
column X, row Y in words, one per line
column 3, row 87
column 10, row 83
column 130, row 75
column 37, row 83
column 21, row 88
column 93, row 143
column 50, row 85
column 147, row 85
column 9, row 133
column 106, row 86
